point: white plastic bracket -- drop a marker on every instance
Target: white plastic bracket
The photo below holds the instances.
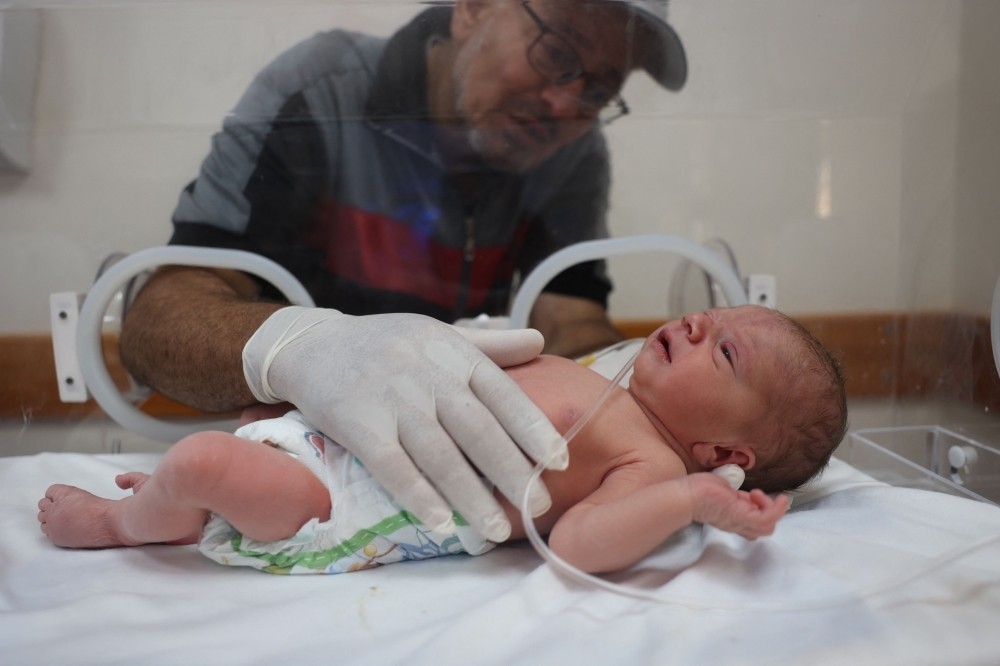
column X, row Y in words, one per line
column 64, row 310
column 762, row 290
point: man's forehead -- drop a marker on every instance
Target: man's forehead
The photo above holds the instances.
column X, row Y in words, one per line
column 568, row 30
column 586, row 23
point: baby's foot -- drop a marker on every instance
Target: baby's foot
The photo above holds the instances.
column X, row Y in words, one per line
column 73, row 518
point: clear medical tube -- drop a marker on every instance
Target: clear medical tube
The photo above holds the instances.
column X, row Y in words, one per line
column 559, row 564
column 568, row 570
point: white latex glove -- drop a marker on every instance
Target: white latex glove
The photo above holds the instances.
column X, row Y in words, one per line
column 408, row 395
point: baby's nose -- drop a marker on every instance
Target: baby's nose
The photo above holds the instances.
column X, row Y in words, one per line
column 698, row 326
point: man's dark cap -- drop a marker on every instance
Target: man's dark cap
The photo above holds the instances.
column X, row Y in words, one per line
column 663, row 57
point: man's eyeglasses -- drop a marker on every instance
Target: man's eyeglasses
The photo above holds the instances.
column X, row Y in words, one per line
column 558, row 63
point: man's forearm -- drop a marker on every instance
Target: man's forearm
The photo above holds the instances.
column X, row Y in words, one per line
column 572, row 326
column 185, row 333
column 573, row 341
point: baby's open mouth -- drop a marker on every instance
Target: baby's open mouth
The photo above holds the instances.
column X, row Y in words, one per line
column 666, row 345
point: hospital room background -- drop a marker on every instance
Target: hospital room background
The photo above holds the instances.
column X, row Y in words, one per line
column 849, row 149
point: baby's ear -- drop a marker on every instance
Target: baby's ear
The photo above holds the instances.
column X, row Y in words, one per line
column 715, row 454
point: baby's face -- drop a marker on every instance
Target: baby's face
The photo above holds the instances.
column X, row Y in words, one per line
column 709, row 377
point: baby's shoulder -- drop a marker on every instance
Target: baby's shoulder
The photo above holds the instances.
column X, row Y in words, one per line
column 555, row 371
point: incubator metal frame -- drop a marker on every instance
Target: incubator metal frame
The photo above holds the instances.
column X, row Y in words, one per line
column 88, row 333
column 556, row 263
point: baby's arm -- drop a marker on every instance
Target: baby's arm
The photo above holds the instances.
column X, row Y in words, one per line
column 627, row 517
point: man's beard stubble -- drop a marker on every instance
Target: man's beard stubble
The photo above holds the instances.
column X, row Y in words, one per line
column 482, row 142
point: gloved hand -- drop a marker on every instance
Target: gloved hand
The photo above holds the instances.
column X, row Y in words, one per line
column 408, row 396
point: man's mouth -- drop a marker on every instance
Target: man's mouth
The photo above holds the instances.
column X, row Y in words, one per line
column 532, row 129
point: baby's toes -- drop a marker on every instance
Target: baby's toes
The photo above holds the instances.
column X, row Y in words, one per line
column 133, row 480
column 122, row 480
column 57, row 492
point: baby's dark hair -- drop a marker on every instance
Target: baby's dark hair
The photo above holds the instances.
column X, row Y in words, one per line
column 808, row 420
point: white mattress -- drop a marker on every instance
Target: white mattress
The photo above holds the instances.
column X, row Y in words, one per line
column 170, row 605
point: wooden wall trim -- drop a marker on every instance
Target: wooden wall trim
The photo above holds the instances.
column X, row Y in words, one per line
column 927, row 355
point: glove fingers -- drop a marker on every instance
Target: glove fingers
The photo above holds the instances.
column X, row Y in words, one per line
column 394, row 469
column 520, row 417
column 490, row 448
column 506, row 348
column 440, row 459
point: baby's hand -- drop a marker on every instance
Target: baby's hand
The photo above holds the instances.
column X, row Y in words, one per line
column 750, row 514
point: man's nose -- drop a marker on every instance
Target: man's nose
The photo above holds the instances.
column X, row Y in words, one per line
column 564, row 101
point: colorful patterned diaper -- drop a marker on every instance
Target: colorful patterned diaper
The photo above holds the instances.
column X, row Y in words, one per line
column 366, row 526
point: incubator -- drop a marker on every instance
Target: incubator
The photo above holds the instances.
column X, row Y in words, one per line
column 753, row 158
column 842, row 155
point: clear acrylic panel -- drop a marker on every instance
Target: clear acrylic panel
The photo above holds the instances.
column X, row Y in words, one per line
column 929, row 458
column 848, row 149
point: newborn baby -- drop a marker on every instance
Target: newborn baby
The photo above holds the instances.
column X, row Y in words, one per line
column 745, row 386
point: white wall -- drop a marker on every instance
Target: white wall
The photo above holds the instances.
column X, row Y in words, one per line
column 929, row 129
column 129, row 97
column 794, row 140
column 978, row 158
column 826, row 141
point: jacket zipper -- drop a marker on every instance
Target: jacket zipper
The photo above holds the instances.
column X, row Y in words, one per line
column 468, row 255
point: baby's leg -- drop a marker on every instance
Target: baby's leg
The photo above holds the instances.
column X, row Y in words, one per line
column 264, row 493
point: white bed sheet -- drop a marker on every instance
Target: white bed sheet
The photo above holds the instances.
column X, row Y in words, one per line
column 170, row 605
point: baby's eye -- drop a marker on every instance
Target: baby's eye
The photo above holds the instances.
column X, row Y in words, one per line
column 725, row 352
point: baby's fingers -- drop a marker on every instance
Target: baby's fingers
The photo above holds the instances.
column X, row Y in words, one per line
column 765, row 518
column 777, row 507
column 760, row 499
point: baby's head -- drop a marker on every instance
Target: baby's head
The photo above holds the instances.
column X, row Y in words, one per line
column 747, row 386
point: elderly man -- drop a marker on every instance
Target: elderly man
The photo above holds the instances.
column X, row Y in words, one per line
column 420, row 174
